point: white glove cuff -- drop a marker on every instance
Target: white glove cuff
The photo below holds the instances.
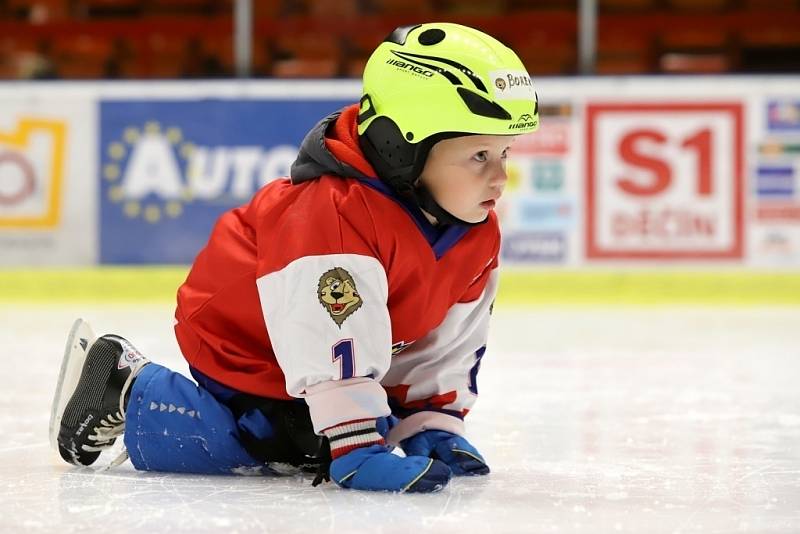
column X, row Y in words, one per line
column 421, row 421
column 335, row 402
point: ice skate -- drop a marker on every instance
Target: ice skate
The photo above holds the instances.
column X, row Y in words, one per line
column 88, row 412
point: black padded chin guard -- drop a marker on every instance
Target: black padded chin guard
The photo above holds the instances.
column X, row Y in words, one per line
column 397, row 162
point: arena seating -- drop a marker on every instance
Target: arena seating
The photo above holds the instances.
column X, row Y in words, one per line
column 155, row 39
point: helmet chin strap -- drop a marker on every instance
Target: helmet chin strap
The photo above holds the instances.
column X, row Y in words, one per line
column 426, row 202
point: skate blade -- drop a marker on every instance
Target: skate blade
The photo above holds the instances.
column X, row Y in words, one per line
column 79, row 341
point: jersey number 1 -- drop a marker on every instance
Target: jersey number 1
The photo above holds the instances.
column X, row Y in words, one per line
column 344, row 353
column 473, row 373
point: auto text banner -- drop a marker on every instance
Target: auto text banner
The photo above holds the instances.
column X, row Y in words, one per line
column 170, row 168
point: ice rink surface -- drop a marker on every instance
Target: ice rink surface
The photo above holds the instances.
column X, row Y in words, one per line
column 623, row 420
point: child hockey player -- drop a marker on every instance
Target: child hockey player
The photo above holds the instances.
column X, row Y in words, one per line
column 337, row 321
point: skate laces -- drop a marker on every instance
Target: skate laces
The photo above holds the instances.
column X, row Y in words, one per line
column 110, row 428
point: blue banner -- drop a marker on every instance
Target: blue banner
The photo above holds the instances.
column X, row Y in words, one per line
column 169, row 169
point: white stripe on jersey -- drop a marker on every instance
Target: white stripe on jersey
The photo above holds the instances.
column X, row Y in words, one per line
column 441, row 362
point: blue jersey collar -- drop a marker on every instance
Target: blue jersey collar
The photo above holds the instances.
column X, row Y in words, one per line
column 440, row 238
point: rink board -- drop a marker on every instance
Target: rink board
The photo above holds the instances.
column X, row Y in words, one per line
column 518, row 288
column 629, row 173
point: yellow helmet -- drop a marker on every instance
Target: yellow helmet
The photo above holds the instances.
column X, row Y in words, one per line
column 430, row 82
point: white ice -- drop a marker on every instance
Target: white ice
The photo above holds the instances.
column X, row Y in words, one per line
column 593, row 420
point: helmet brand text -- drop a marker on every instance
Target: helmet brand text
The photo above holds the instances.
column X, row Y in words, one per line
column 524, row 122
column 410, row 67
column 514, row 81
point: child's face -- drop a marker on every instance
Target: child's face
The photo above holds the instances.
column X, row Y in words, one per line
column 466, row 175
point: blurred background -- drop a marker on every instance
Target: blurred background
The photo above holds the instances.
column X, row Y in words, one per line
column 641, row 372
column 666, row 165
column 155, row 39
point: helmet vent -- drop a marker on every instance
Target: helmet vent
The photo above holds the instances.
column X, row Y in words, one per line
column 466, row 71
column 482, row 106
column 431, row 37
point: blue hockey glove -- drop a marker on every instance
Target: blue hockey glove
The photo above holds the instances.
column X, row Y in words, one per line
column 385, row 424
column 453, row 450
column 375, row 468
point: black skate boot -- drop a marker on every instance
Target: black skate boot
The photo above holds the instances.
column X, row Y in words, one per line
column 88, row 411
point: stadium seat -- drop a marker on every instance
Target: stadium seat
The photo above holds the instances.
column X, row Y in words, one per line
column 770, row 49
column 399, row 7
column 39, row 11
column 354, row 68
column 771, row 5
column 307, row 56
column 262, row 57
column 305, row 68
column 186, row 7
column 707, row 50
column 159, row 55
column 17, row 54
column 333, row 9
column 14, row 44
column 695, row 63
column 309, row 46
column 698, row 5
column 266, row 8
column 82, row 56
column 770, row 36
column 538, row 5
column 624, row 53
column 221, row 48
column 626, row 5
column 546, row 53
column 709, row 37
column 357, row 49
column 473, row 7
column 104, row 8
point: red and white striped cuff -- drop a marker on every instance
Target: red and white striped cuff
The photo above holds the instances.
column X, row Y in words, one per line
column 352, row 435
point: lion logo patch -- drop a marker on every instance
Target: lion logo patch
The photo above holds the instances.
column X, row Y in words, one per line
column 338, row 294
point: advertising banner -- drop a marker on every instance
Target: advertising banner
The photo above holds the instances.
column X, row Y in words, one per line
column 623, row 172
column 664, row 181
column 47, row 194
column 538, row 210
column 775, row 182
column 171, row 168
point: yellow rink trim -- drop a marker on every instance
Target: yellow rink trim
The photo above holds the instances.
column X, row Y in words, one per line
column 537, row 288
column 650, row 288
column 99, row 284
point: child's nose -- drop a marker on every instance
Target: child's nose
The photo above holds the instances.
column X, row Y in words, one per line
column 500, row 177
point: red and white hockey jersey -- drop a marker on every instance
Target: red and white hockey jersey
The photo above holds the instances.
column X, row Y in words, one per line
column 328, row 287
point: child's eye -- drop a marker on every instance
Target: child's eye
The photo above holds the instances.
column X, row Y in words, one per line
column 480, row 156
